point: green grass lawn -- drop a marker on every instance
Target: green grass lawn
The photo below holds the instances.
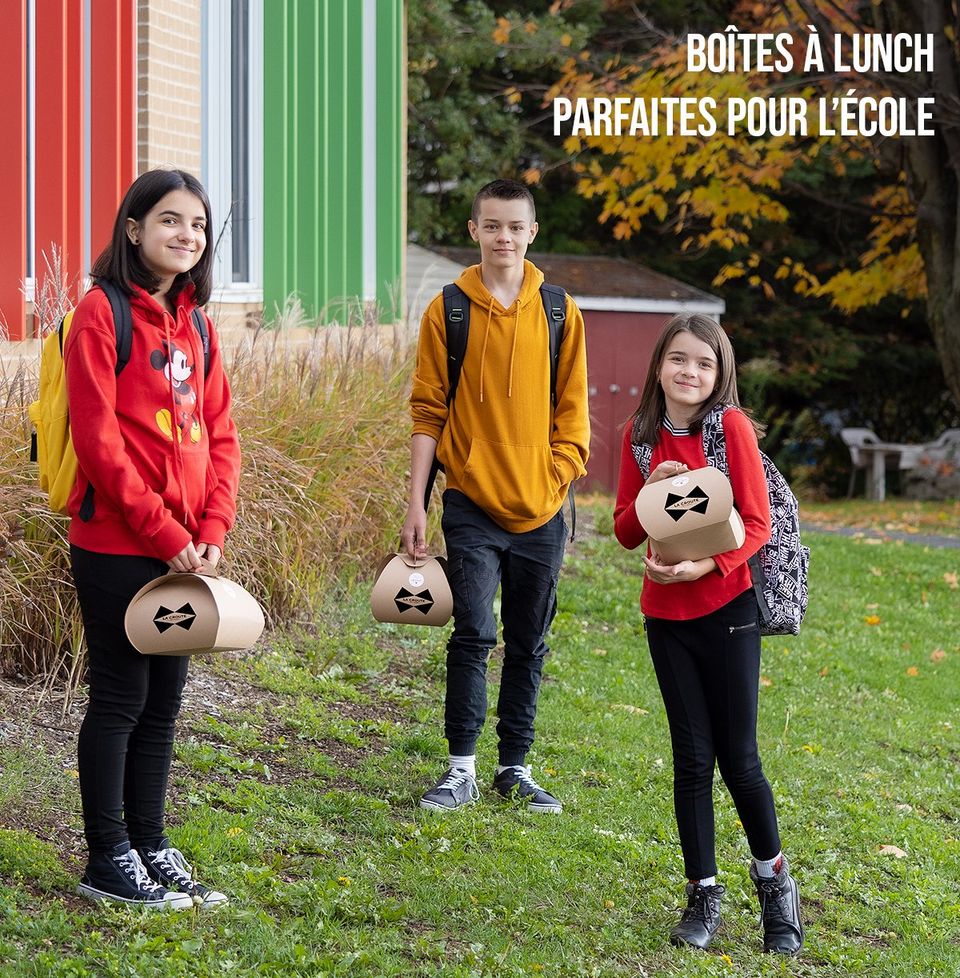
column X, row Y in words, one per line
column 296, row 792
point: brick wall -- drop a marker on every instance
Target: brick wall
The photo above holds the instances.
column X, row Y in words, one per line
column 168, row 84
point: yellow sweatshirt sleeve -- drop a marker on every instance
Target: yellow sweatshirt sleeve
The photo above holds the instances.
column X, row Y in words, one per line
column 570, row 439
column 428, row 398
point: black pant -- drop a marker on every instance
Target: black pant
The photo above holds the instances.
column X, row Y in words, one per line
column 125, row 746
column 709, row 673
column 482, row 556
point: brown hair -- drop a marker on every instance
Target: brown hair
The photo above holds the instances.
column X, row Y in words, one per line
column 648, row 417
column 121, row 263
column 503, row 190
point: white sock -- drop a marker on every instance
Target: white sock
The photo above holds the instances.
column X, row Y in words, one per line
column 465, row 762
column 767, row 868
column 509, row 767
column 706, row 881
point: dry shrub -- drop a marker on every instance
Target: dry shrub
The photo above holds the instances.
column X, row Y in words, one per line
column 324, row 430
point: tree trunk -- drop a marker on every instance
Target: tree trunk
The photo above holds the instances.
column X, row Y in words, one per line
column 933, row 172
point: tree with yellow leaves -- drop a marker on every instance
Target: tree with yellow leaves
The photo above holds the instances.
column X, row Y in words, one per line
column 723, row 191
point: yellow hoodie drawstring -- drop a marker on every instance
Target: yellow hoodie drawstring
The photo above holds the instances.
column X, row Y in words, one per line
column 483, row 352
column 513, row 349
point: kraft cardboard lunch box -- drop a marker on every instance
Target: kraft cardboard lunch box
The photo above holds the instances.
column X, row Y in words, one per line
column 690, row 516
column 412, row 591
column 187, row 614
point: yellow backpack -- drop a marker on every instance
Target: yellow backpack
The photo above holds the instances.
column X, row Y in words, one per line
column 51, row 445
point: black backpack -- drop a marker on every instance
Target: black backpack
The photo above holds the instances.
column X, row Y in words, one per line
column 456, row 316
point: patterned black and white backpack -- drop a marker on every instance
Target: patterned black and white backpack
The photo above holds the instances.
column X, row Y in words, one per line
column 779, row 568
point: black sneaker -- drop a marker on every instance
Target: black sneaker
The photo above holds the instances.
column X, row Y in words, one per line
column 119, row 876
column 516, row 782
column 454, row 790
column 167, row 866
column 779, row 899
column 700, row 919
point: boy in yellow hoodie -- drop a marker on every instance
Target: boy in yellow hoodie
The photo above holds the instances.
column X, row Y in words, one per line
column 509, row 456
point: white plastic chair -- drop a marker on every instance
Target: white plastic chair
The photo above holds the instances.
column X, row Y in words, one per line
column 947, row 439
column 854, row 438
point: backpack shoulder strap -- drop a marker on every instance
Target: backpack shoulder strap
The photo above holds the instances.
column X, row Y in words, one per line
column 122, row 322
column 554, row 300
column 456, row 321
column 714, row 442
column 200, row 321
column 456, row 317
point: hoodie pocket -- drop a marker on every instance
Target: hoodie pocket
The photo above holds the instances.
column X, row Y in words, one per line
column 518, row 481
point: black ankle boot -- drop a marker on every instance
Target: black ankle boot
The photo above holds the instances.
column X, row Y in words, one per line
column 701, row 918
column 779, row 911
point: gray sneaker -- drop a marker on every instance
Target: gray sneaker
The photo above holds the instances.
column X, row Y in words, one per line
column 454, row 790
column 516, row 782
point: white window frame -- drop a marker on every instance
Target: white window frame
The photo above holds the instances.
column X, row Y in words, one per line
column 217, row 122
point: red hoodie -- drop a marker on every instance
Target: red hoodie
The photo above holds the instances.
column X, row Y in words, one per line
column 157, row 442
column 691, row 599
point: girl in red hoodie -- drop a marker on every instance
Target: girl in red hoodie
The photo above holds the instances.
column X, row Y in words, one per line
column 701, row 619
column 156, row 490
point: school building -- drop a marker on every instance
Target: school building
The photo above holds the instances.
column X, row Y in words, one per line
column 291, row 112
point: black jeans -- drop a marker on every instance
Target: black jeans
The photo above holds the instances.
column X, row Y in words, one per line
column 125, row 746
column 709, row 674
column 482, row 556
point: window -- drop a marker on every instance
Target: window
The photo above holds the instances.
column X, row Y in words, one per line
column 232, row 146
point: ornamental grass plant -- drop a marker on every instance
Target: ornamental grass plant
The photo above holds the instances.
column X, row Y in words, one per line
column 324, row 429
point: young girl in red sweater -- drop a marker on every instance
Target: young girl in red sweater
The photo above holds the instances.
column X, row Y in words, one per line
column 701, row 619
column 156, row 490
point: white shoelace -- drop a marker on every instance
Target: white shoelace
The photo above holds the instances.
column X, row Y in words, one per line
column 527, row 779
column 454, row 778
column 174, row 863
column 132, row 866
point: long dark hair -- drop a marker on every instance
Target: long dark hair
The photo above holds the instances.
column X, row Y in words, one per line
column 648, row 417
column 121, row 263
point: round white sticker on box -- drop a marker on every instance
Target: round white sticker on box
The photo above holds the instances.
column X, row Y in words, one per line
column 681, row 480
column 415, row 579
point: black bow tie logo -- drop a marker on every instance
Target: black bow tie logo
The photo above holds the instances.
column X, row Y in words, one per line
column 695, row 500
column 422, row 601
column 165, row 618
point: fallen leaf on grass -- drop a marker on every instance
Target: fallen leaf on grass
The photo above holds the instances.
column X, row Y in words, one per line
column 894, row 851
column 937, row 655
column 824, row 671
column 630, row 708
column 913, row 671
column 766, row 681
column 872, row 619
column 951, row 580
column 876, row 571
